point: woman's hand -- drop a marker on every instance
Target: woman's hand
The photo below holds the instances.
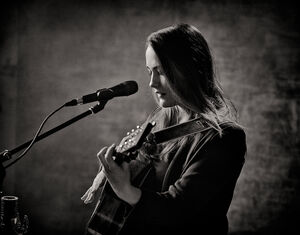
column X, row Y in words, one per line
column 89, row 195
column 118, row 176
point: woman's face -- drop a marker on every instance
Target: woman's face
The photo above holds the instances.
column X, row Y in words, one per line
column 158, row 80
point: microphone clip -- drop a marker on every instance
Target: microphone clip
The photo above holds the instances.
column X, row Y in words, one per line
column 104, row 95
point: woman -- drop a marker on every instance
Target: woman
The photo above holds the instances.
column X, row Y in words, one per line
column 190, row 187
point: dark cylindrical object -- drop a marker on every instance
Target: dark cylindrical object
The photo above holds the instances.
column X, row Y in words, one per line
column 9, row 215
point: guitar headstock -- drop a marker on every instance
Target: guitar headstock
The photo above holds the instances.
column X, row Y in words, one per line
column 133, row 141
column 135, row 138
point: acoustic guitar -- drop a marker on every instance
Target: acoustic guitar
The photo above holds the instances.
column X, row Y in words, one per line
column 111, row 212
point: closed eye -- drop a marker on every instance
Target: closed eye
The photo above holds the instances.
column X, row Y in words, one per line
column 156, row 69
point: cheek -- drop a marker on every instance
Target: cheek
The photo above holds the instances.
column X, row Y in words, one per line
column 163, row 81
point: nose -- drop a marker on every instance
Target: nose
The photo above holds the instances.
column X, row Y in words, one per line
column 154, row 80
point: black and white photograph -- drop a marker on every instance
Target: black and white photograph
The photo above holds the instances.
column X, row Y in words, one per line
column 147, row 117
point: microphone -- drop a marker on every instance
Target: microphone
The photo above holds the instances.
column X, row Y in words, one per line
column 123, row 89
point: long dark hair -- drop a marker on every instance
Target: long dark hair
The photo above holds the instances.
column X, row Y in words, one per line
column 188, row 65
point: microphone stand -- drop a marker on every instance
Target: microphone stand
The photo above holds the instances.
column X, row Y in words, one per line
column 7, row 154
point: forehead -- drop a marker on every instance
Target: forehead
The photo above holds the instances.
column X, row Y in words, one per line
column 151, row 58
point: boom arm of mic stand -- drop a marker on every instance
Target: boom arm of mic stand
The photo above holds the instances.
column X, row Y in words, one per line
column 7, row 154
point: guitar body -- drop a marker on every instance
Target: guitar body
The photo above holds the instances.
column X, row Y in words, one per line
column 111, row 212
column 109, row 215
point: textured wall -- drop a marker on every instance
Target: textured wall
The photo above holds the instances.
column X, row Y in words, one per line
column 53, row 51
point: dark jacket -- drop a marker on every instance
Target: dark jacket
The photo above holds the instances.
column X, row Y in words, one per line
column 196, row 189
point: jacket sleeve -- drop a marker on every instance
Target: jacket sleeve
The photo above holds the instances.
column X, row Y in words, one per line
column 205, row 188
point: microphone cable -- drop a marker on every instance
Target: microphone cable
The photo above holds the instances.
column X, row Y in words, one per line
column 34, row 138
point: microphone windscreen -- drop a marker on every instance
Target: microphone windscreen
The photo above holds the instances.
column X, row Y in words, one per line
column 125, row 89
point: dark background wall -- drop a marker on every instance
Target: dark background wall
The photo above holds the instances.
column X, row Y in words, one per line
column 53, row 51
